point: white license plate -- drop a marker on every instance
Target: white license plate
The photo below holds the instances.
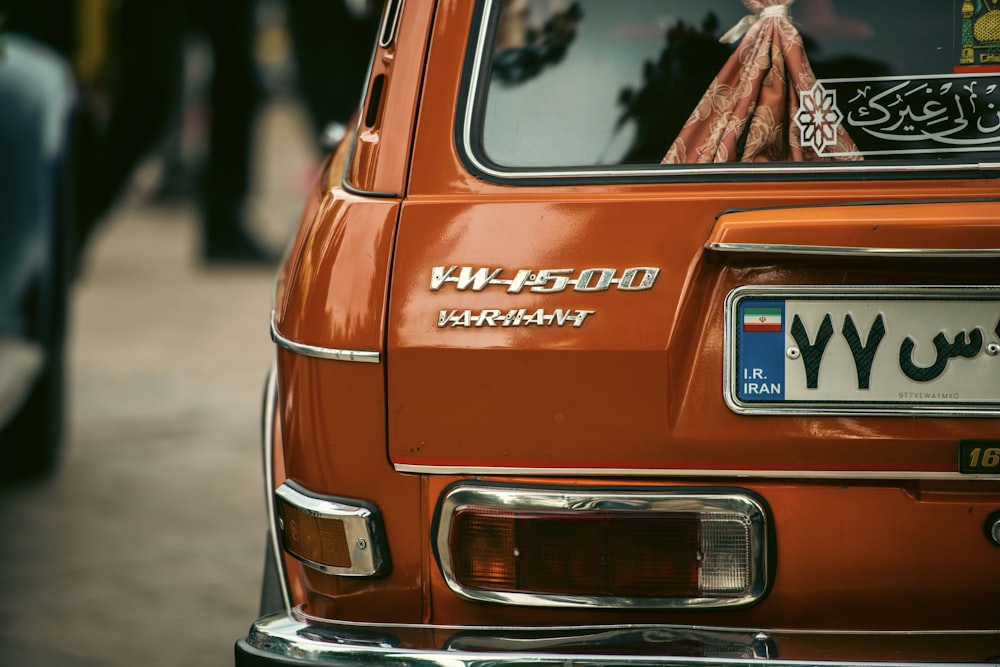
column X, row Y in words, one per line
column 850, row 350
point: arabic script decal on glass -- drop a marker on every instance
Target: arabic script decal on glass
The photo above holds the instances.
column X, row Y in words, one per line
column 905, row 115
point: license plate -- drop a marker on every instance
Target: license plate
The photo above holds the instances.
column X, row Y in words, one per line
column 863, row 350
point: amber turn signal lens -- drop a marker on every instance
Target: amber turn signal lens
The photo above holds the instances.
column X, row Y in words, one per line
column 316, row 539
column 340, row 536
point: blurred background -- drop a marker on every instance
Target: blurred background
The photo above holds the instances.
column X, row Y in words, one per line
column 154, row 160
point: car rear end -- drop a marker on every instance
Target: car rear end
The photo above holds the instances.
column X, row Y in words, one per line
column 585, row 356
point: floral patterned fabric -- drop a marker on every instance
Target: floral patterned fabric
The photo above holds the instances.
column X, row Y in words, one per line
column 749, row 112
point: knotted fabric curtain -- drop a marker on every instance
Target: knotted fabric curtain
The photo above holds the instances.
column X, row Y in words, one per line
column 747, row 113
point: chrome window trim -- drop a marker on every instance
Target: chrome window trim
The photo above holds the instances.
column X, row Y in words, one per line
column 345, row 181
column 474, row 97
column 774, row 248
column 335, row 354
column 390, row 23
column 830, row 409
column 704, row 473
column 270, row 405
column 361, row 527
column 689, row 500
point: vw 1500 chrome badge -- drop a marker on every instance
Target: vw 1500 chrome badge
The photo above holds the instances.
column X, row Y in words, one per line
column 534, row 281
column 543, row 281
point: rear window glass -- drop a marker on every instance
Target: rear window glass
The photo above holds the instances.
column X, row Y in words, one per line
column 656, row 83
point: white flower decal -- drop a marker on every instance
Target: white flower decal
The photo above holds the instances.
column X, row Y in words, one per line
column 818, row 118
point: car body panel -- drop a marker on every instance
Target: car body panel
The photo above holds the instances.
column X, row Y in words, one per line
column 643, row 369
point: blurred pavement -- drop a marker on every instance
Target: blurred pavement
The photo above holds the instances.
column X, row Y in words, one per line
column 147, row 547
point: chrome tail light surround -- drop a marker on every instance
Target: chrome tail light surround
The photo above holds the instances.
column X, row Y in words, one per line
column 339, row 536
column 730, row 558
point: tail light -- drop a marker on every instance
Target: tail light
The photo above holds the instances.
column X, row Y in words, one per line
column 333, row 535
column 601, row 547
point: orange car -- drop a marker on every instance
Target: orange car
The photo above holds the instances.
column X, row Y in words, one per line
column 652, row 332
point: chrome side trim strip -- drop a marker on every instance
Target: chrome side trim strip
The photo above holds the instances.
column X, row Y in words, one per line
column 305, row 350
column 690, row 473
column 270, row 405
column 850, row 251
column 295, row 637
column 706, row 504
column 469, row 115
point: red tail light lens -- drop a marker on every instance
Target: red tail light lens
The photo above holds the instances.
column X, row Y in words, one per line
column 576, row 553
column 666, row 549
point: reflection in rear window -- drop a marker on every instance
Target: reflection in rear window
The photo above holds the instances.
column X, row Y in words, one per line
column 596, row 83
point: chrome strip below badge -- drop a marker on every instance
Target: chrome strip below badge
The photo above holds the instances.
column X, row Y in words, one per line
column 697, row 473
column 863, row 350
column 363, row 356
column 853, row 251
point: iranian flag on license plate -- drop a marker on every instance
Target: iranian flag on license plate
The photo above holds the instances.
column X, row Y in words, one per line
column 761, row 319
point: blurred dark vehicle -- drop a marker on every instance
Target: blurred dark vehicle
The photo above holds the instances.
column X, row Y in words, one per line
column 37, row 101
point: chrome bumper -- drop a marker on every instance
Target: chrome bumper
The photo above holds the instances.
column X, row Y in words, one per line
column 287, row 640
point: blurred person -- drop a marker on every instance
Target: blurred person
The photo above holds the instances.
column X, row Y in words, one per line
column 146, row 91
column 333, row 42
column 128, row 55
column 234, row 98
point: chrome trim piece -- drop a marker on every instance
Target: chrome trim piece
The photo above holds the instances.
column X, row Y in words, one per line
column 390, row 23
column 309, row 641
column 363, row 356
column 909, row 292
column 469, row 117
column 703, row 473
column 777, row 248
column 345, row 180
column 729, row 644
column 706, row 504
column 270, row 405
column 361, row 527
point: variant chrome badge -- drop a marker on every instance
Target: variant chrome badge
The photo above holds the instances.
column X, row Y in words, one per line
column 519, row 317
column 863, row 350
